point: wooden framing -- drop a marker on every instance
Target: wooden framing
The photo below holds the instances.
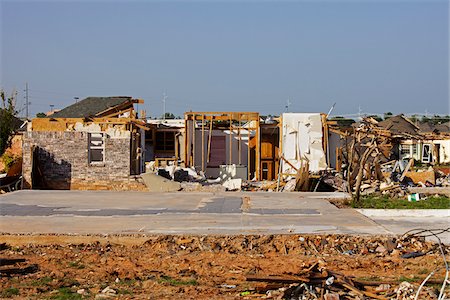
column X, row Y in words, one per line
column 196, row 120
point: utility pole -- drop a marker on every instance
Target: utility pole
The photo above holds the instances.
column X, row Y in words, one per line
column 26, row 99
column 164, row 105
column 288, row 103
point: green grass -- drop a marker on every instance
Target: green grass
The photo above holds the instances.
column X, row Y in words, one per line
column 66, row 294
column 42, row 281
column 171, row 281
column 76, row 265
column 124, row 292
column 369, row 278
column 381, row 202
column 408, row 279
column 9, row 292
column 424, row 271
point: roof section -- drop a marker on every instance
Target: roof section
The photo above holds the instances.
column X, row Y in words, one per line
column 400, row 125
column 429, row 127
column 90, row 107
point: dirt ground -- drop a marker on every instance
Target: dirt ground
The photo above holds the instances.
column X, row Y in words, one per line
column 208, row 267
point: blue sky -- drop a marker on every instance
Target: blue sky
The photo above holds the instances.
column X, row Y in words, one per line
column 231, row 56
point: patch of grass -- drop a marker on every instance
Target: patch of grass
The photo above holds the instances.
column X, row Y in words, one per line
column 370, row 278
column 408, row 279
column 66, row 294
column 175, row 282
column 128, row 282
column 9, row 292
column 42, row 281
column 383, row 202
column 124, row 292
column 76, row 265
column 424, row 271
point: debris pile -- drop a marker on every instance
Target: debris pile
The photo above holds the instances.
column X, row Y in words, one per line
column 316, row 281
column 15, row 266
column 224, row 267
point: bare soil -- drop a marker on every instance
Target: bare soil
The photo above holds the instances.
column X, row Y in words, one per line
column 203, row 267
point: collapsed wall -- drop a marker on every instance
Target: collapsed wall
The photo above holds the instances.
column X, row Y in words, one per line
column 60, row 160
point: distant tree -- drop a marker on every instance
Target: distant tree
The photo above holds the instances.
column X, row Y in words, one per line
column 169, row 116
column 387, row 115
column 436, row 119
column 376, row 117
column 41, row 115
column 342, row 120
column 7, row 115
column 414, row 118
column 425, row 119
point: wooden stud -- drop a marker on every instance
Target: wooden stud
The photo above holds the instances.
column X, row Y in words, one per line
column 231, row 142
column 239, row 139
column 258, row 151
column 209, row 138
column 203, row 143
column 193, row 143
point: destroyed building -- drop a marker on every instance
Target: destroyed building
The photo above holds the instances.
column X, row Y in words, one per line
column 96, row 143
column 164, row 141
column 425, row 143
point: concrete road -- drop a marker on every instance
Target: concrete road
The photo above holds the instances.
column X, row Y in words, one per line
column 104, row 212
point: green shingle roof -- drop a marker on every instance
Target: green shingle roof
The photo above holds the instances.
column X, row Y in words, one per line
column 90, row 107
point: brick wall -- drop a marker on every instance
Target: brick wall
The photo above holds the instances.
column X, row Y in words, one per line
column 63, row 161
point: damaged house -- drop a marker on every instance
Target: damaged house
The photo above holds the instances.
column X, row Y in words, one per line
column 249, row 146
column 425, row 143
column 223, row 144
column 94, row 144
column 164, row 142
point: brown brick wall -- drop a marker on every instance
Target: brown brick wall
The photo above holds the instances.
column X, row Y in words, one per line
column 63, row 160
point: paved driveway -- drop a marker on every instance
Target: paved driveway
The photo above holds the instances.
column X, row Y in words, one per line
column 104, row 212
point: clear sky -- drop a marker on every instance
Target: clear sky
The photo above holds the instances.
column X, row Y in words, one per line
column 377, row 56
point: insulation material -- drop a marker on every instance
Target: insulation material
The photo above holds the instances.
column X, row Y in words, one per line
column 302, row 139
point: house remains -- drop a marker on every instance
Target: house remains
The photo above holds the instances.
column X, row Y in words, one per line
column 96, row 143
column 100, row 143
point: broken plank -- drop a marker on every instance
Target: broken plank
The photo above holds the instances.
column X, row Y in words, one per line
column 10, row 261
column 19, row 271
column 278, row 279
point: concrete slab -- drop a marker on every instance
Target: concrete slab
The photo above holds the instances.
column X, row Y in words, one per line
column 95, row 212
column 402, row 224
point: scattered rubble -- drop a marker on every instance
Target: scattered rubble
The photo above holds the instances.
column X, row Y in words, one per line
column 225, row 267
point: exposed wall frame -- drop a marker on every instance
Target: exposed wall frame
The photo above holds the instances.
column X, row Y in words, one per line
column 197, row 120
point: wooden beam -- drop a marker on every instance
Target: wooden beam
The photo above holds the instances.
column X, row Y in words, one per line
column 258, row 150
column 231, row 142
column 209, row 138
column 239, row 141
column 138, row 101
column 291, row 165
column 248, row 151
column 186, row 139
column 193, row 143
column 203, row 143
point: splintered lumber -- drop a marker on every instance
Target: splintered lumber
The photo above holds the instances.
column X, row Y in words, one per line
column 19, row 271
column 277, row 279
column 408, row 166
column 302, row 178
column 291, row 165
column 10, row 261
